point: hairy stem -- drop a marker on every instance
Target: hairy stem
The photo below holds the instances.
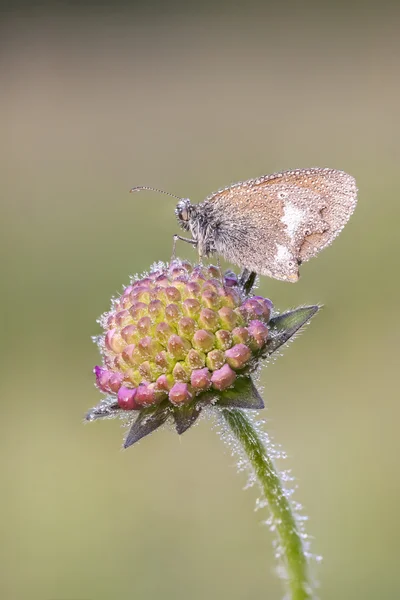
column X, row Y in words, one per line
column 293, row 554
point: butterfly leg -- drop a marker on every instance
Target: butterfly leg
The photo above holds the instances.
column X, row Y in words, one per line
column 220, row 270
column 183, row 239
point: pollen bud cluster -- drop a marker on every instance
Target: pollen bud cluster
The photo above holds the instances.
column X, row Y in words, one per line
column 178, row 332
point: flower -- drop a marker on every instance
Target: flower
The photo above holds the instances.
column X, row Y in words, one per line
column 180, row 338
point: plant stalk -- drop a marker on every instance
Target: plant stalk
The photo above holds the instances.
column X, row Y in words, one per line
column 293, row 555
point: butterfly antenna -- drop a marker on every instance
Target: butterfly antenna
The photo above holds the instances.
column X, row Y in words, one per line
column 139, row 188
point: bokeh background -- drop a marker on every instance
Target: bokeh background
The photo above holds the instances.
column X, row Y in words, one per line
column 96, row 98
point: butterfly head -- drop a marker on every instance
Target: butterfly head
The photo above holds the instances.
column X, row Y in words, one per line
column 184, row 211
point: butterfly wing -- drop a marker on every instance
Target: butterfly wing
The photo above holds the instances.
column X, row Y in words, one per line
column 272, row 224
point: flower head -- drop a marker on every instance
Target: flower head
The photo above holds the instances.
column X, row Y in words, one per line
column 178, row 338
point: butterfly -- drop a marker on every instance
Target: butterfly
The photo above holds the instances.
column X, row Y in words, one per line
column 272, row 224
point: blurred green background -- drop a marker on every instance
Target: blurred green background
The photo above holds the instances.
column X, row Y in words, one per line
column 97, row 98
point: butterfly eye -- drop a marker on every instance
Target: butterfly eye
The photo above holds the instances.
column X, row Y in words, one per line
column 184, row 214
column 183, row 210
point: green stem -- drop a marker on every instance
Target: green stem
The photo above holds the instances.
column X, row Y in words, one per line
column 293, row 553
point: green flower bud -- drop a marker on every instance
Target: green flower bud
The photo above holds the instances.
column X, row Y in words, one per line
column 172, row 313
column 163, row 332
column 186, row 327
column 191, row 307
column 196, row 359
column 209, row 320
column 156, row 310
column 203, row 340
column 238, row 356
column 178, row 347
column 138, row 310
column 181, row 372
column 229, row 319
column 165, row 361
column 223, row 339
column 130, row 334
column 215, row 359
column 240, row 335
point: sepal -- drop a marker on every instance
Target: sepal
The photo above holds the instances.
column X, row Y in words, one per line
column 105, row 409
column 284, row 326
column 148, row 420
column 186, row 415
column 243, row 395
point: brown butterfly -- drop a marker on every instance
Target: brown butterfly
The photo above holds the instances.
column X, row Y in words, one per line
column 272, row 224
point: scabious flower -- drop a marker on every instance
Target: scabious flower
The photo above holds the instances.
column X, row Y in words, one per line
column 182, row 337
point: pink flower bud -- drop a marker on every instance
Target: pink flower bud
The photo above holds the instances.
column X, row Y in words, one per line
column 193, row 290
column 138, row 310
column 259, row 333
column 180, row 394
column 164, row 383
column 215, row 359
column 140, row 295
column 115, row 381
column 211, row 299
column 131, row 355
column 186, row 327
column 102, row 378
column 178, row 347
column 230, row 279
column 156, row 310
column 208, row 319
column 130, row 334
column 223, row 378
column 144, row 325
column 163, row 332
column 240, row 335
column 126, row 398
column 203, row 340
column 172, row 313
column 114, row 341
column 172, row 294
column 148, row 347
column 127, row 291
column 165, row 361
column 181, row 372
column 191, row 308
column 201, row 379
column 196, row 359
column 228, row 317
column 197, row 276
column 238, row 356
column 230, row 297
column 255, row 309
column 223, row 339
column 145, row 395
column 214, row 271
column 267, row 307
column 122, row 318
